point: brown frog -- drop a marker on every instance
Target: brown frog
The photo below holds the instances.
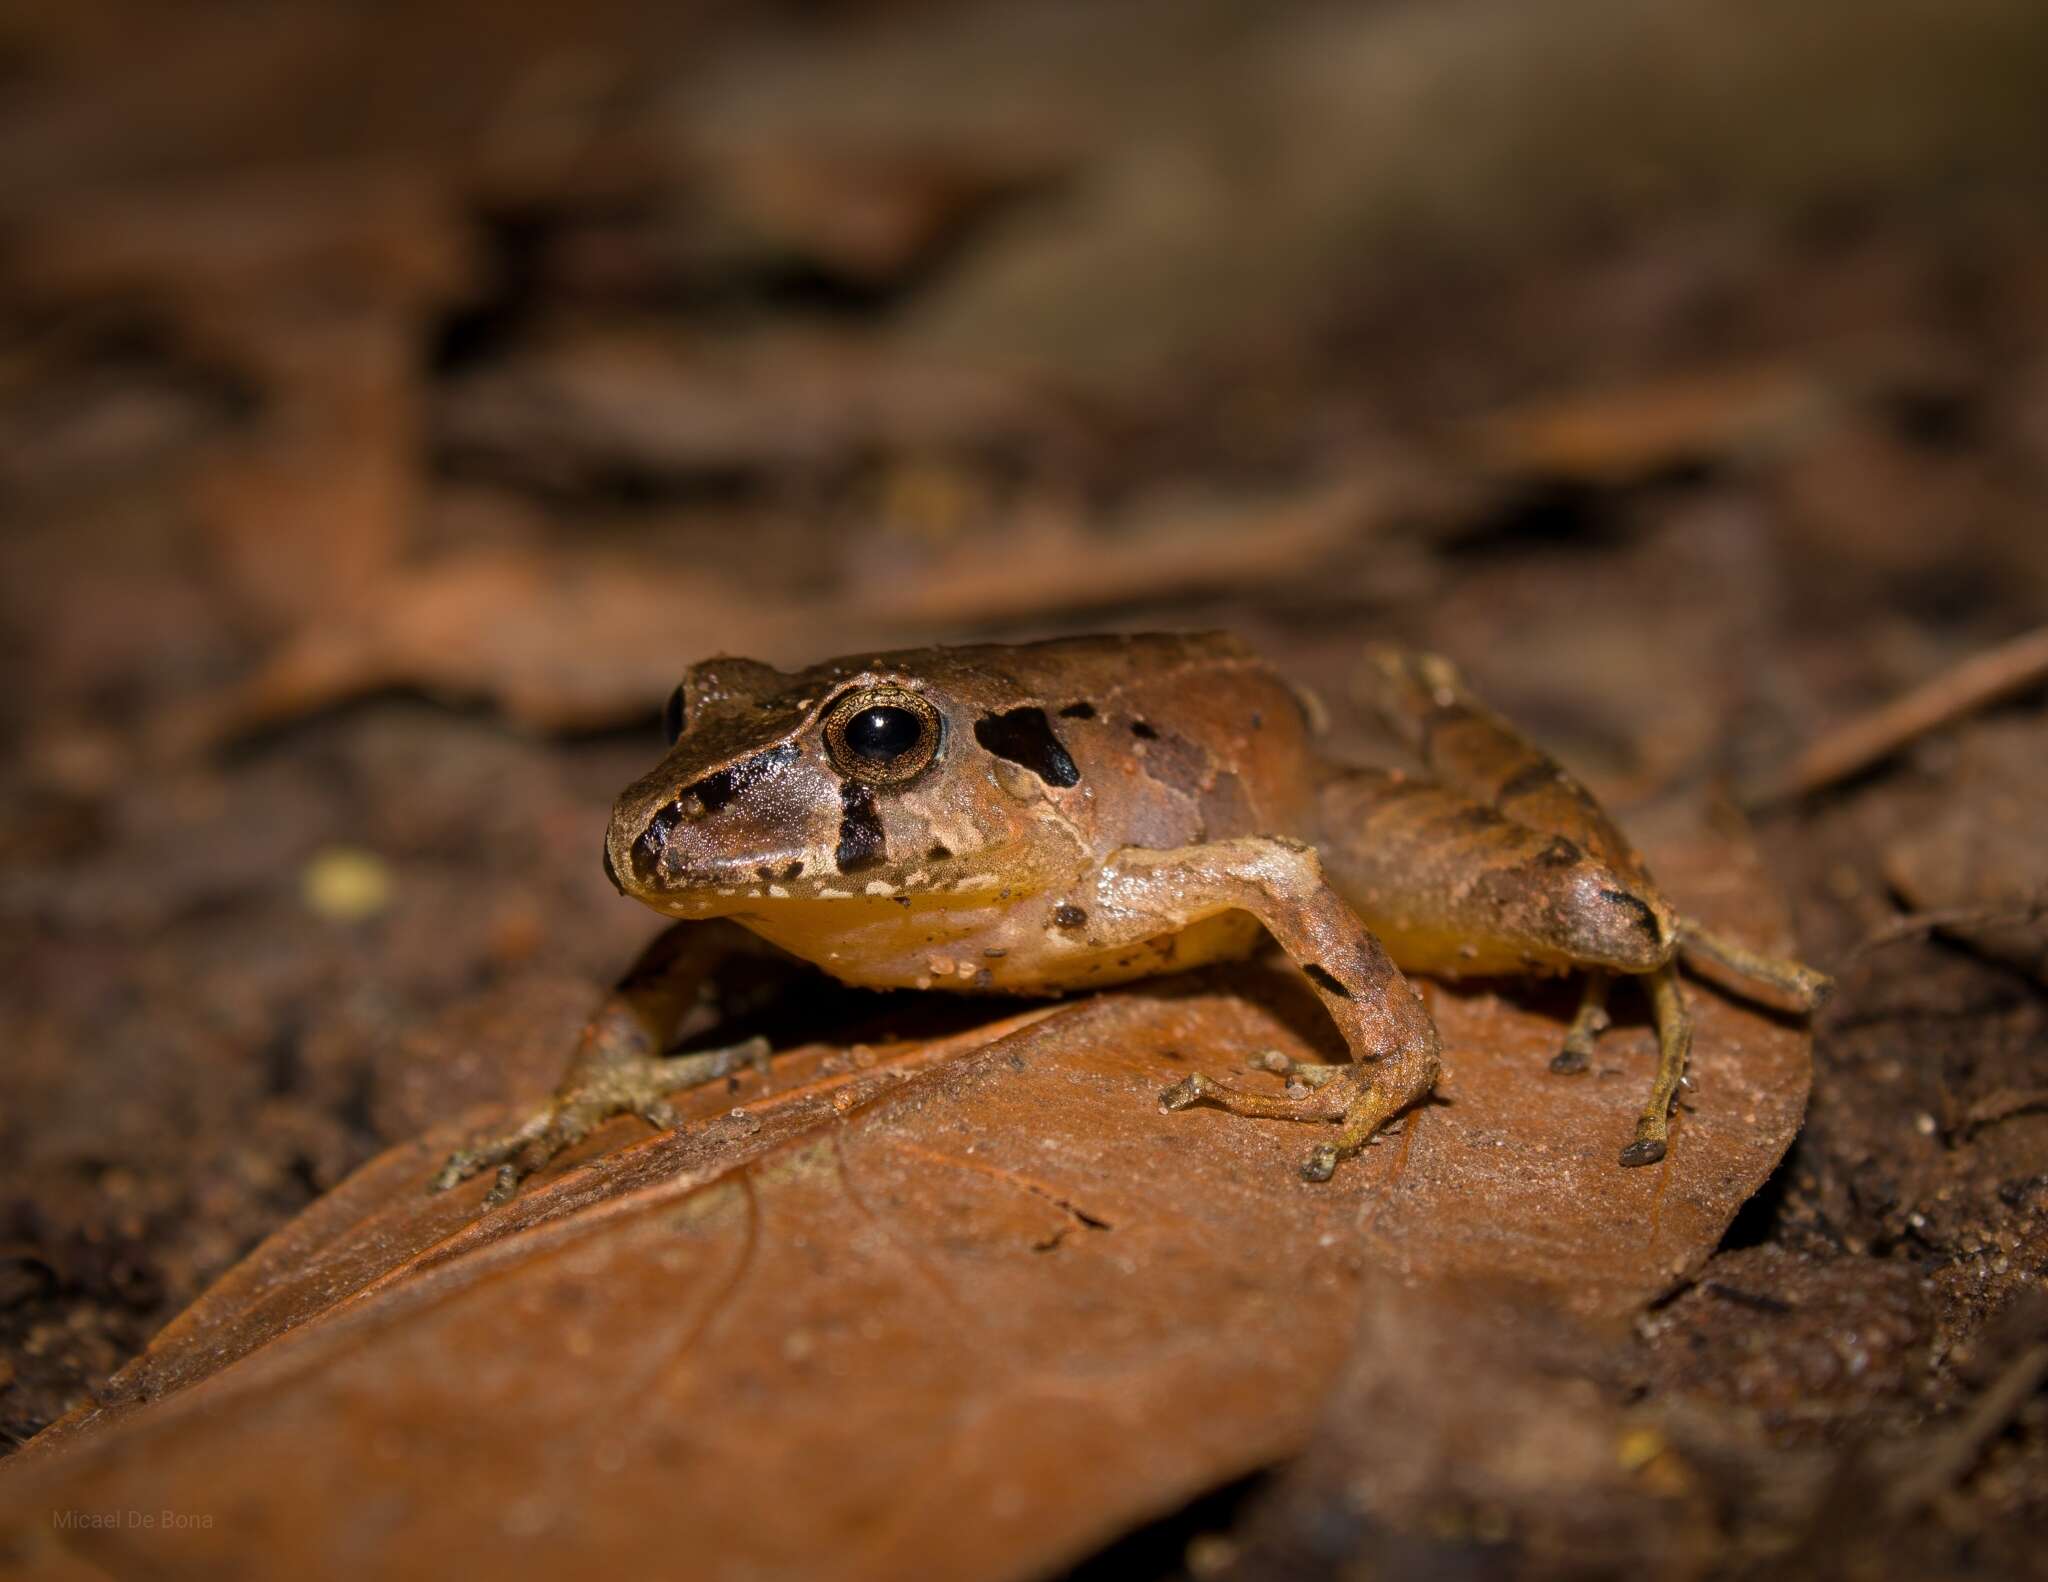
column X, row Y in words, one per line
column 1071, row 814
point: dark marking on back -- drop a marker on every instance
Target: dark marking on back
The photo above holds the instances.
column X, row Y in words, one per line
column 1177, row 763
column 1143, row 731
column 1533, row 777
column 1404, row 785
column 1068, row 915
column 1078, row 711
column 939, row 852
column 1641, row 908
column 1326, row 980
column 1560, row 853
column 860, row 829
column 1024, row 736
column 1224, row 808
column 1473, row 820
column 1436, row 719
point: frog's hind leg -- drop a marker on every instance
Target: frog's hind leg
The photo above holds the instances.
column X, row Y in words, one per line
column 1794, row 984
column 1471, row 749
column 1426, row 702
column 1458, row 888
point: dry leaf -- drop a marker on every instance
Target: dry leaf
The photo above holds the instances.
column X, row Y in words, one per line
column 1618, row 436
column 560, row 642
column 963, row 1307
column 1165, row 547
column 1985, row 847
column 578, row 641
column 645, row 400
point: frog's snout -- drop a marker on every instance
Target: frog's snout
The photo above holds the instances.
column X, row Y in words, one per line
column 720, row 836
column 647, row 849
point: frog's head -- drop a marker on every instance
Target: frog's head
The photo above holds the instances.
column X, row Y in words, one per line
column 861, row 778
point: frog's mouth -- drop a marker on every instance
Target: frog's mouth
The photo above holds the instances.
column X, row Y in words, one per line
column 655, row 866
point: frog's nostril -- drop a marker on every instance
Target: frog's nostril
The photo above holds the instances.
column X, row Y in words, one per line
column 652, row 845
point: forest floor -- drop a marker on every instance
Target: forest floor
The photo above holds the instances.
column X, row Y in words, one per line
column 388, row 415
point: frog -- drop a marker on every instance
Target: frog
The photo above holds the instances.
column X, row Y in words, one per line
column 1074, row 814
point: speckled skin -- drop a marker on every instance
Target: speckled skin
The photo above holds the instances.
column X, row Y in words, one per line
column 980, row 853
column 1093, row 810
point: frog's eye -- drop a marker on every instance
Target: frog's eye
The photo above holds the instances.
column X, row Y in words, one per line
column 672, row 716
column 883, row 735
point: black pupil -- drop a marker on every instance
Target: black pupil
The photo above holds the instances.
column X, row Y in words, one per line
column 672, row 717
column 883, row 733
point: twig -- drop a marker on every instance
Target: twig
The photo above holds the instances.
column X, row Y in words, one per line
column 1976, row 683
column 1957, row 919
column 1952, row 1453
column 2000, row 1106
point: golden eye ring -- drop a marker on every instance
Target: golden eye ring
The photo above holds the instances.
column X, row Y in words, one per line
column 882, row 735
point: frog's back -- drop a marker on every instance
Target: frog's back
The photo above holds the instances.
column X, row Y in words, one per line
column 1176, row 738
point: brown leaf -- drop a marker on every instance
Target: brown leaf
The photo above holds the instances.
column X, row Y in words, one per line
column 644, row 399
column 1162, row 547
column 1616, row 436
column 1984, row 848
column 871, row 212
column 958, row 1307
column 575, row 640
column 1468, row 1424
column 559, row 641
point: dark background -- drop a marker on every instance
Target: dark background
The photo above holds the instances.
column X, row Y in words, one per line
column 393, row 398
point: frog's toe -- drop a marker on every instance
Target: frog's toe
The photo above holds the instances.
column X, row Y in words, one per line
column 505, row 1186
column 661, row 1115
column 466, row 1162
column 1321, row 1163
column 1190, row 1090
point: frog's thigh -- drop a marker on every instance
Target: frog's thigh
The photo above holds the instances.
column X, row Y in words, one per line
column 1470, row 749
column 1454, row 886
column 1281, row 883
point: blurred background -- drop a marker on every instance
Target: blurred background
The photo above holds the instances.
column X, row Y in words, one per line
column 395, row 397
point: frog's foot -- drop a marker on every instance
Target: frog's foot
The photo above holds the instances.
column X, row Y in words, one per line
column 1588, row 1023
column 1301, row 1079
column 1315, row 1093
column 592, row 1094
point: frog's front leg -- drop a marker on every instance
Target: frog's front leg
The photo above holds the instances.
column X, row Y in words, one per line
column 1143, row 894
column 619, row 1067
